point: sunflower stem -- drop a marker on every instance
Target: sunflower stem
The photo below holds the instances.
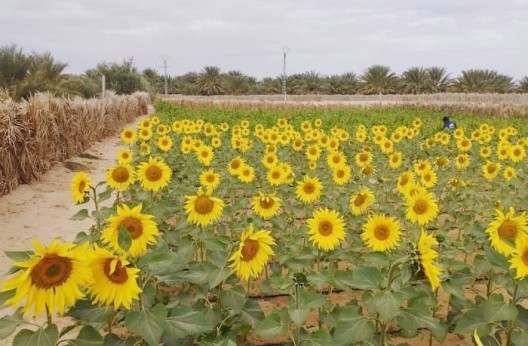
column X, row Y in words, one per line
column 489, row 284
column 48, row 316
column 434, row 312
column 98, row 220
column 248, row 284
column 513, row 302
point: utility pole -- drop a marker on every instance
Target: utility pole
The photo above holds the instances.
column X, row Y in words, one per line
column 285, row 51
column 165, row 58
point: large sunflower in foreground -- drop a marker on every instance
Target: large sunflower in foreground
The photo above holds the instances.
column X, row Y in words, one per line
column 203, row 209
column 80, row 186
column 421, row 208
column 381, row 233
column 505, row 230
column 120, row 177
column 427, row 257
column 141, row 228
column 115, row 281
column 154, row 174
column 326, row 229
column 252, row 253
column 519, row 260
column 360, row 201
column 309, row 189
column 51, row 279
column 266, row 205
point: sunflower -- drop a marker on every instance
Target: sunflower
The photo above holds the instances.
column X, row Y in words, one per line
column 270, row 159
column 519, row 260
column 115, row 281
column 421, row 208
column 124, row 156
column 485, row 152
column 51, row 279
column 309, row 189
column 381, row 233
column 517, row 153
column 154, row 174
column 341, row 175
column 363, row 159
column 360, row 201
column 144, row 149
column 141, row 228
column 205, row 155
column 427, row 257
column 386, row 146
column 509, row 173
column 336, row 159
column 235, row 165
column 428, row 179
column 506, row 229
column 395, row 159
column 120, row 177
column 313, row 152
column 128, row 135
column 464, row 144
column 491, row 170
column 462, row 161
column 266, row 205
column 252, row 253
column 276, row 176
column 203, row 209
column 421, row 167
column 326, row 229
column 80, row 186
column 145, row 133
column 442, row 161
column 164, row 143
column 210, row 179
column 404, row 179
column 247, row 174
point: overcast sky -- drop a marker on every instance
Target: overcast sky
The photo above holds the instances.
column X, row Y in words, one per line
column 326, row 36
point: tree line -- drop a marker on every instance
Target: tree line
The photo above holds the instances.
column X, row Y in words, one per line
column 23, row 74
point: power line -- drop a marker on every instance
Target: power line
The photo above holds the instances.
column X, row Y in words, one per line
column 165, row 58
column 285, row 51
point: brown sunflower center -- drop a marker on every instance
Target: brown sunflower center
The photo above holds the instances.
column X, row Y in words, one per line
column 82, row 185
column 210, row 178
column 313, row 151
column 325, row 228
column 367, row 170
column 420, row 207
column 360, row 199
column 133, row 225
column 164, row 142
column 404, row 180
column 270, row 159
column 128, row 134
column 492, row 169
column 381, row 232
column 516, row 152
column 205, row 154
column 363, row 157
column 525, row 257
column 119, row 275
column 125, row 156
column 51, row 271
column 250, row 249
column 387, row 145
column 153, row 173
column 266, row 202
column 336, row 159
column 120, row 174
column 308, row 188
column 508, row 229
column 203, row 205
column 395, row 158
column 340, row 174
column 235, row 164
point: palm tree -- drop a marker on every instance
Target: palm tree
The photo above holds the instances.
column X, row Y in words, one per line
column 415, row 81
column 483, row 81
column 210, row 81
column 237, row 83
column 14, row 65
column 272, row 86
column 523, row 85
column 309, row 83
column 378, row 79
column 439, row 79
column 345, row 84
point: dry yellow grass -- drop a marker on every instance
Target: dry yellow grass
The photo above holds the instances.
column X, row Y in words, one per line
column 478, row 104
column 40, row 131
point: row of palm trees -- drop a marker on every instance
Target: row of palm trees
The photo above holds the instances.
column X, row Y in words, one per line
column 24, row 74
column 376, row 79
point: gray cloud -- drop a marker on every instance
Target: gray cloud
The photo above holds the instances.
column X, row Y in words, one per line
column 331, row 36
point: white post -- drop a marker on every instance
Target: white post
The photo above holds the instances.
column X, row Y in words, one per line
column 103, row 85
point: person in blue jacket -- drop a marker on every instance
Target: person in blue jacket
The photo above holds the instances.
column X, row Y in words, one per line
column 448, row 124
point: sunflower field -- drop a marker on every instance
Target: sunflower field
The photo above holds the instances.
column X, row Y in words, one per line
column 306, row 227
